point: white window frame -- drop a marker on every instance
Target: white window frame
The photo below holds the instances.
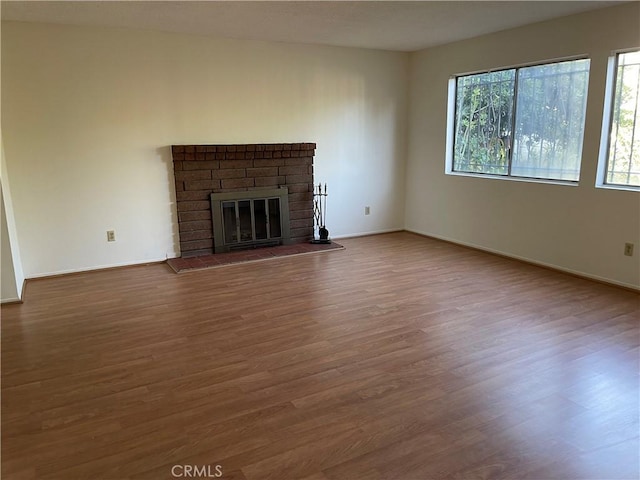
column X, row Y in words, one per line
column 451, row 114
column 607, row 124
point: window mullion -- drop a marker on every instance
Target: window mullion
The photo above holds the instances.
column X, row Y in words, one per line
column 612, row 111
column 513, row 121
column 618, row 103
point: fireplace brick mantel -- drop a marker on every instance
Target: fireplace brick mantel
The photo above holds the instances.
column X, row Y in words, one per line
column 201, row 170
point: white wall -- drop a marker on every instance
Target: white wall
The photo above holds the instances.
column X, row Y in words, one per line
column 8, row 286
column 580, row 229
column 89, row 113
column 11, row 274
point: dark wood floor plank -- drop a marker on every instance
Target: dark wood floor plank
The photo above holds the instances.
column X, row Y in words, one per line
column 400, row 357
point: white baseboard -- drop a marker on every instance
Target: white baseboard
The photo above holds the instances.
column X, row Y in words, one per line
column 552, row 266
column 365, row 234
column 90, row 269
column 10, row 300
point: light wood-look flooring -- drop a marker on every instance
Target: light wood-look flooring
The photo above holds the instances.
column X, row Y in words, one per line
column 400, row 357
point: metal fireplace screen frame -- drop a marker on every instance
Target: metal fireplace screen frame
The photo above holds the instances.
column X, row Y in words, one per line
column 249, row 219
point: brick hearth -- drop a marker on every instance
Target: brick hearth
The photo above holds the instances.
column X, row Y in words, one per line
column 200, row 170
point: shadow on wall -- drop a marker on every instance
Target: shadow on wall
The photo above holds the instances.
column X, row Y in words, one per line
column 165, row 155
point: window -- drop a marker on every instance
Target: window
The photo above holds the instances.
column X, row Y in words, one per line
column 523, row 122
column 621, row 136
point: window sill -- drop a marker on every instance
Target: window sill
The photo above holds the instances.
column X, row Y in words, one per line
column 566, row 183
column 626, row 188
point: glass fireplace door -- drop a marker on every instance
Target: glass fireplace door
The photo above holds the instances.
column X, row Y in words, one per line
column 251, row 220
column 261, row 220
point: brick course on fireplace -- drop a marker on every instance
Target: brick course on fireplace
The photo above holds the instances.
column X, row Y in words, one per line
column 201, row 170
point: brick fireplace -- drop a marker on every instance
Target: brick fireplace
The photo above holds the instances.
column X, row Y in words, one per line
column 201, row 170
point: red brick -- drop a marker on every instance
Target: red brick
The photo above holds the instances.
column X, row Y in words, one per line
column 296, row 179
column 191, row 206
column 225, row 190
column 201, row 184
column 295, row 215
column 300, row 197
column 236, row 164
column 230, row 173
column 198, row 171
column 192, row 216
column 268, row 162
column 294, row 170
column 293, row 206
column 262, row 172
column 301, row 223
column 196, row 245
column 193, row 195
column 200, row 165
column 237, row 182
column 196, row 235
column 304, row 239
column 196, row 225
column 269, row 181
column 185, row 253
column 300, row 187
column 298, row 161
column 302, row 232
column 193, row 175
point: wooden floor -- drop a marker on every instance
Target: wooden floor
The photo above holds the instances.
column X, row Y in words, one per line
column 398, row 358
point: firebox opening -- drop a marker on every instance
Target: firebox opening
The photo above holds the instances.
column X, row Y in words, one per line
column 250, row 219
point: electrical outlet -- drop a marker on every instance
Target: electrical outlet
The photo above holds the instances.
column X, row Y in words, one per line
column 628, row 249
column 367, row 210
column 111, row 235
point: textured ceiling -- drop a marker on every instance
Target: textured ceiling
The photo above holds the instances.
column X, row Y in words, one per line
column 387, row 25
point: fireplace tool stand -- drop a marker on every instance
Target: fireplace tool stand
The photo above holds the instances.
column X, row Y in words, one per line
column 320, row 214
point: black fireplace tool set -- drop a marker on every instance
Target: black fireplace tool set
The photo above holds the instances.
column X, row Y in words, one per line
column 320, row 214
